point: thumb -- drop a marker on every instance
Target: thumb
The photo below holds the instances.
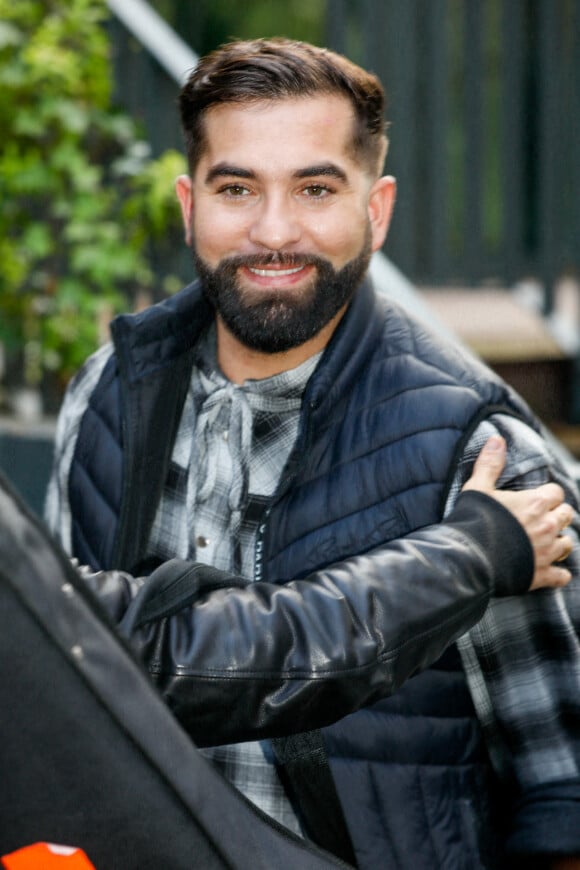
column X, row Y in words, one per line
column 488, row 465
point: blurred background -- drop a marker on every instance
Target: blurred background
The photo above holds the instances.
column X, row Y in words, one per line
column 484, row 123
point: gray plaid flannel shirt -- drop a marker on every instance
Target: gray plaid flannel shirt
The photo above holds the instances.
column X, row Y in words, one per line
column 522, row 660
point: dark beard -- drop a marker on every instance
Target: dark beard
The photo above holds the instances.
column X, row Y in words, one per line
column 279, row 321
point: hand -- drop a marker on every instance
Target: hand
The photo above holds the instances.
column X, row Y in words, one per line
column 541, row 511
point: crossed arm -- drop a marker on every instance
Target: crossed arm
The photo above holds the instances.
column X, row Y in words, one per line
column 299, row 655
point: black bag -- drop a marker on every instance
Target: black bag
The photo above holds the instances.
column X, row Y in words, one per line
column 90, row 756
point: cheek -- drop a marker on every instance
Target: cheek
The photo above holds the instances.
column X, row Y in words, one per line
column 216, row 233
column 339, row 236
column 201, row 238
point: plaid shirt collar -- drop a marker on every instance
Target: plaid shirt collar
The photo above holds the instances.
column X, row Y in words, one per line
column 231, row 447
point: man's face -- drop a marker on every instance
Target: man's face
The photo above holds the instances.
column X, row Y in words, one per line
column 282, row 216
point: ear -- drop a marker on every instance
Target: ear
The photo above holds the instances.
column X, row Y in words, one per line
column 184, row 191
column 380, row 207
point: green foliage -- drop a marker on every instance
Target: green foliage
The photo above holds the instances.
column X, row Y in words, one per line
column 81, row 202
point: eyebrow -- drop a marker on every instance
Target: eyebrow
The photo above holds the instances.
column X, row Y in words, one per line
column 328, row 169
column 226, row 170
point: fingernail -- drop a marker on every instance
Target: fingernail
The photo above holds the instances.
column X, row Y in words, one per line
column 494, row 443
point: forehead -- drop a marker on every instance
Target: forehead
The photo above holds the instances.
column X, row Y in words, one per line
column 287, row 133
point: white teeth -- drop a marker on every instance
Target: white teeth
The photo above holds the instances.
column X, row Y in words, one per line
column 275, row 273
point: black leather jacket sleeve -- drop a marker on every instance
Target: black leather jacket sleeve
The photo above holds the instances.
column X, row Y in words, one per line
column 238, row 661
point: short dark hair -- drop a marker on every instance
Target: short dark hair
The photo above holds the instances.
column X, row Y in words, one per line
column 272, row 69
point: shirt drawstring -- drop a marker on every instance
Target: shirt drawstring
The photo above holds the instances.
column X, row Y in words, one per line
column 226, row 409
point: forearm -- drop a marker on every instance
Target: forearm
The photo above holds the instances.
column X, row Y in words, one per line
column 300, row 655
column 116, row 590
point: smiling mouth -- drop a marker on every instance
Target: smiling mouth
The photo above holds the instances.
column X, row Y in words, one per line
column 275, row 273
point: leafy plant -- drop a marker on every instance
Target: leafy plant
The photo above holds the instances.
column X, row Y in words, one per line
column 81, row 201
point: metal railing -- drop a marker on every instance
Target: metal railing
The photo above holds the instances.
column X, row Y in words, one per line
column 484, row 104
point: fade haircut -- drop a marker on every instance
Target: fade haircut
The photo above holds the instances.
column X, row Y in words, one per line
column 263, row 70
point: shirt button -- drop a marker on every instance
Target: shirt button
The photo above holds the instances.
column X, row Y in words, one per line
column 226, row 435
column 202, row 541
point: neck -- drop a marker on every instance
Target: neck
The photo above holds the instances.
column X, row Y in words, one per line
column 240, row 363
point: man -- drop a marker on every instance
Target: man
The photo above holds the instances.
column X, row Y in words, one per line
column 280, row 418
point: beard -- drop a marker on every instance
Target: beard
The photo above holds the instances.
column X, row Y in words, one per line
column 274, row 321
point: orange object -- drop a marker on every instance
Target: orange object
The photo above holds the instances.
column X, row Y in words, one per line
column 47, row 856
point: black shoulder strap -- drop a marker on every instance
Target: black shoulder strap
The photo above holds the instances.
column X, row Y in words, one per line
column 305, row 773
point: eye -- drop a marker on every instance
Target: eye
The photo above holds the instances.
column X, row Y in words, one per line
column 235, row 191
column 317, row 191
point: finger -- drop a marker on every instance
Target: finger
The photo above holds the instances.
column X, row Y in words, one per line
column 549, row 548
column 552, row 577
column 564, row 546
column 488, row 465
column 550, row 496
column 565, row 515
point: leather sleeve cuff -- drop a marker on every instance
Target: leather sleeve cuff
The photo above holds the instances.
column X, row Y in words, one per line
column 501, row 537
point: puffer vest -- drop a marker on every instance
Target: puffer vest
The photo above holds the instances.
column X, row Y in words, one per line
column 384, row 419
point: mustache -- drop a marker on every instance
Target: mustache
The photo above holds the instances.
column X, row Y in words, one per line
column 275, row 258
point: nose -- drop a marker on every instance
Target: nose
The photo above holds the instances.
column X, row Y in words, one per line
column 275, row 226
